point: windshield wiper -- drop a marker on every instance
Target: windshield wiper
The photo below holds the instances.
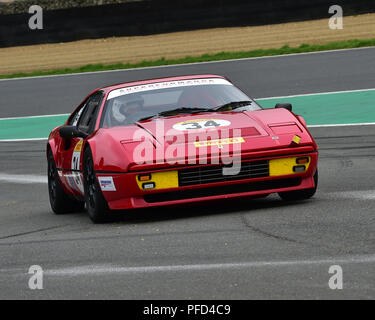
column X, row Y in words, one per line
column 175, row 112
column 232, row 105
column 225, row 107
column 181, row 110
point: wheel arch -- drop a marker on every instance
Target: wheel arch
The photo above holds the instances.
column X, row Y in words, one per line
column 89, row 145
column 108, row 154
column 51, row 146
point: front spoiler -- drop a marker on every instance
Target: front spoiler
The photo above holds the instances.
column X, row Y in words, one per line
column 139, row 202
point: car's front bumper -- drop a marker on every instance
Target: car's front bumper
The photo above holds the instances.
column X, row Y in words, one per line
column 130, row 194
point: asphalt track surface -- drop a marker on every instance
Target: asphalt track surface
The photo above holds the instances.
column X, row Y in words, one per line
column 245, row 249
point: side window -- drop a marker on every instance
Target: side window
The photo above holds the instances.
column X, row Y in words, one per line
column 74, row 120
column 87, row 118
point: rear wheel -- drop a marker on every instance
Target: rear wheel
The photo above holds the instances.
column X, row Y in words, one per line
column 59, row 200
column 300, row 194
column 96, row 205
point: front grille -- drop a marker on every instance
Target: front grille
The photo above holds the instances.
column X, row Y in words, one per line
column 214, row 173
column 221, row 190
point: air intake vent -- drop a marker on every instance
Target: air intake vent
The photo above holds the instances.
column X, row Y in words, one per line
column 210, row 174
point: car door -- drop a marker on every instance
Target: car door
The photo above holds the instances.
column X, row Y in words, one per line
column 72, row 149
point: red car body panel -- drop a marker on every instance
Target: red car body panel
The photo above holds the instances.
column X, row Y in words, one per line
column 268, row 134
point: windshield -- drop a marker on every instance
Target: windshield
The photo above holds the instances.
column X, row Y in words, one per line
column 140, row 103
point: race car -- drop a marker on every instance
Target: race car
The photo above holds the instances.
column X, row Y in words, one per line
column 176, row 140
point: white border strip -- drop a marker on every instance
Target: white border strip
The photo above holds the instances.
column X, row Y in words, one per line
column 166, row 84
column 188, row 64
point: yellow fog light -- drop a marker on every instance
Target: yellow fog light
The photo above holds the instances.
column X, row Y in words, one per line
column 148, row 185
column 286, row 166
column 299, row 168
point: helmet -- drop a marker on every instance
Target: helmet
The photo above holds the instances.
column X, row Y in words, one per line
column 116, row 113
column 122, row 109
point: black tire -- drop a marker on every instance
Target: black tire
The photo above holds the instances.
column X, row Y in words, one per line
column 300, row 194
column 60, row 202
column 96, row 205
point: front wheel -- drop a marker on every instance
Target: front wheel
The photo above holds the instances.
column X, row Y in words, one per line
column 300, row 194
column 96, row 205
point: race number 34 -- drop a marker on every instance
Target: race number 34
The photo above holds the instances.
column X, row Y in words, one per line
column 197, row 124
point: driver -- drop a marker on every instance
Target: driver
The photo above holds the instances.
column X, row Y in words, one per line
column 124, row 111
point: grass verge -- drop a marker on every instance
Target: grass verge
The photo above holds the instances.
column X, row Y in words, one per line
column 203, row 58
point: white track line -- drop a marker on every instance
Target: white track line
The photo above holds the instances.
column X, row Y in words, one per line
column 341, row 125
column 22, row 140
column 316, row 93
column 22, row 178
column 41, row 116
column 189, row 64
column 111, row 269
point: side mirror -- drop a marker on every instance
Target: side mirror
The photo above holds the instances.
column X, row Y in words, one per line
column 69, row 132
column 287, row 106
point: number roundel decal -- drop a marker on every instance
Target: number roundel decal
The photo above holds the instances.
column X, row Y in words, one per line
column 77, row 182
column 196, row 124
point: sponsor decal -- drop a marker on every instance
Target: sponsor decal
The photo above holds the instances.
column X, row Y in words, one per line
column 197, row 124
column 70, row 180
column 168, row 84
column 107, row 184
column 77, row 182
column 78, row 146
column 219, row 142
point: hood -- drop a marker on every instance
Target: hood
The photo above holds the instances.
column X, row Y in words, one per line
column 209, row 135
column 182, row 129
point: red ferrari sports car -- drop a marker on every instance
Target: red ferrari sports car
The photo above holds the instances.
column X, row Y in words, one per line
column 175, row 140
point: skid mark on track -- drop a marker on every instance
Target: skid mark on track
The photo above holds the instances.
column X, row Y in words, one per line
column 335, row 156
column 119, row 236
column 31, row 232
column 268, row 234
column 355, row 195
column 347, row 148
